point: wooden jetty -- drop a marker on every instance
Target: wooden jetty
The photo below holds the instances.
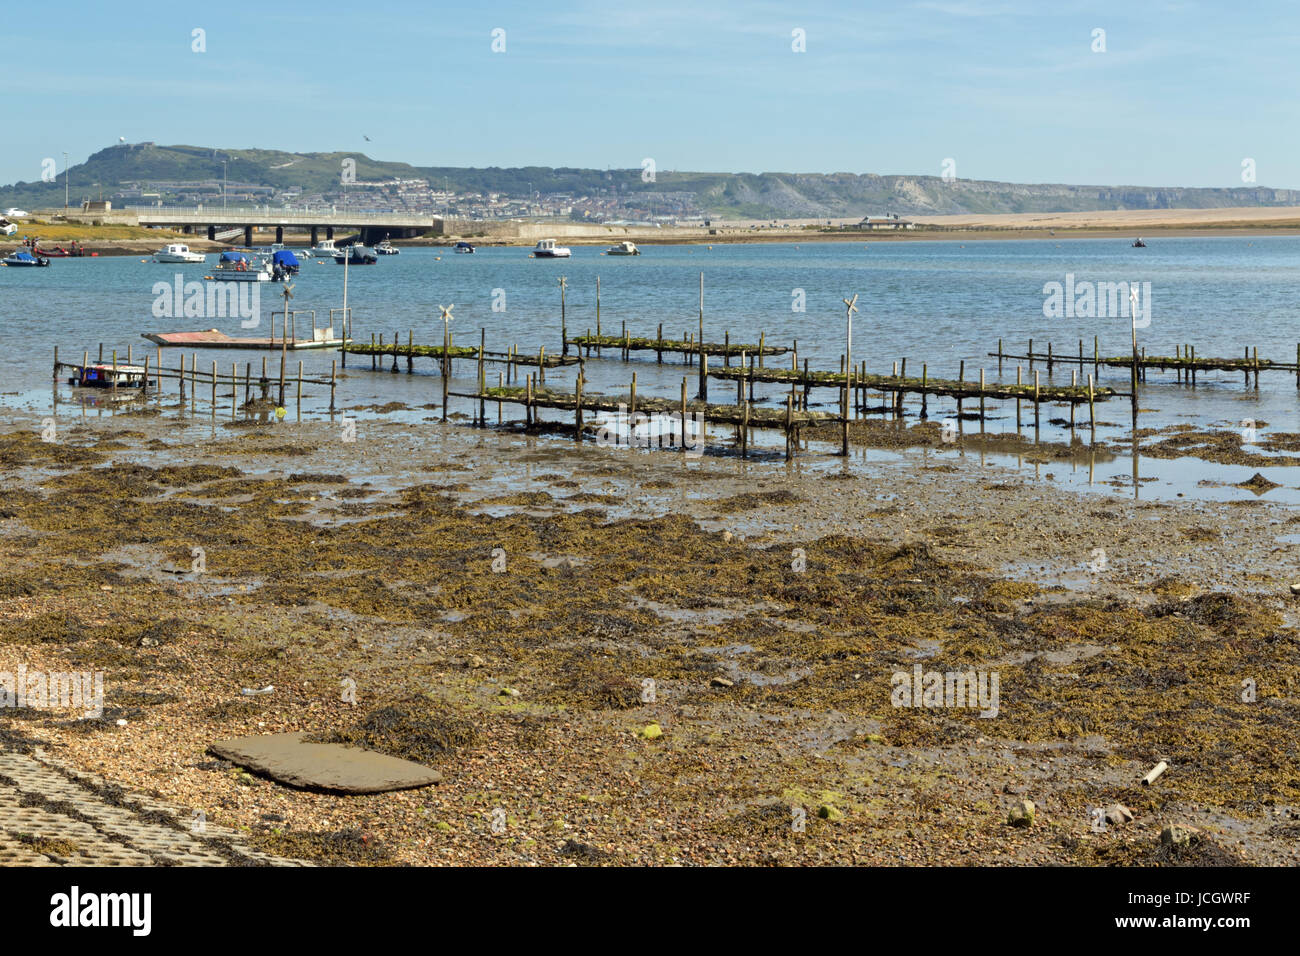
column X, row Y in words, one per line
column 212, row 339
column 153, row 373
column 1184, row 362
column 743, row 416
column 898, row 385
column 377, row 348
column 322, row 337
column 688, row 345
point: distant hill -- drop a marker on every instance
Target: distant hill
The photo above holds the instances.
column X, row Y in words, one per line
column 723, row 195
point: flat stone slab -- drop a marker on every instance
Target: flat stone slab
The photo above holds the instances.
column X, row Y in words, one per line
column 286, row 759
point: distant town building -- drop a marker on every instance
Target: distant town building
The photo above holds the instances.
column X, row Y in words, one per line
column 878, row 223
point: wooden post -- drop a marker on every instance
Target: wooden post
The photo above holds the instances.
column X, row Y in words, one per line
column 194, row 382
column 144, row 389
column 1257, row 368
column 446, row 368
column 744, row 427
column 701, row 324
column 1092, row 413
column 334, row 370
column 528, row 400
column 683, row 413
column 659, row 351
column 1049, row 359
column 56, row 363
column 1074, row 383
column 298, row 398
column 925, row 380
column 577, row 409
column 482, row 377
column 373, row 354
column 844, row 415
column 961, row 379
column 981, row 397
column 789, row 417
column 726, row 349
column 1035, row 400
column 1096, row 355
column 234, row 389
column 248, row 383
column 1030, row 353
column 632, row 397
column 500, row 385
column 1018, row 382
column 598, row 310
column 114, row 384
column 999, row 356
column 564, row 327
column 704, row 374
column 762, row 338
column 214, row 388
column 541, row 364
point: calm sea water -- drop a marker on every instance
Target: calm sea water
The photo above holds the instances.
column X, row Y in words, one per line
column 935, row 302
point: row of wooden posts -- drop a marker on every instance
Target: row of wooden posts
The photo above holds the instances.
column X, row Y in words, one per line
column 196, row 376
column 1185, row 363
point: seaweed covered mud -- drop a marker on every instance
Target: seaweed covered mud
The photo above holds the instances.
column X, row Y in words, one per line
column 633, row 657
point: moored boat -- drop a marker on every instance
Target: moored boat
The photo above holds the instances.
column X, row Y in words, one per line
column 355, row 256
column 58, row 252
column 24, row 258
column 325, row 249
column 464, row 247
column 547, row 249
column 105, row 375
column 285, row 262
column 386, row 248
column 623, row 249
column 1139, row 244
column 178, row 252
column 237, row 267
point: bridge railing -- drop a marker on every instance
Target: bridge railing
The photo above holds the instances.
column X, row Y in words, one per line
column 272, row 216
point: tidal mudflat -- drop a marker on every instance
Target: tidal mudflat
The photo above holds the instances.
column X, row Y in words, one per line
column 631, row 657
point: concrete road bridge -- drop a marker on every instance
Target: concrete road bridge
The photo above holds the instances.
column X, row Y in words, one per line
column 372, row 226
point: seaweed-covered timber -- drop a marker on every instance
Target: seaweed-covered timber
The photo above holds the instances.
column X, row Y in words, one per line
column 147, row 377
column 1184, row 362
column 742, row 416
column 686, row 346
column 378, row 348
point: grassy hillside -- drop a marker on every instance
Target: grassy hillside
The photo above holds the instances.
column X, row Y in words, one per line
column 764, row 195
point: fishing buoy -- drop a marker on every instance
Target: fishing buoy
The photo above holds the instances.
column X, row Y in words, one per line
column 280, row 412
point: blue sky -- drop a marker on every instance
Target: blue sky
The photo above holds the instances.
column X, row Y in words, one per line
column 1009, row 89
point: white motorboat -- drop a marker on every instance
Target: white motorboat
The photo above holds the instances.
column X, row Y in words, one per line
column 325, row 249
column 386, row 248
column 178, row 252
column 623, row 249
column 547, row 249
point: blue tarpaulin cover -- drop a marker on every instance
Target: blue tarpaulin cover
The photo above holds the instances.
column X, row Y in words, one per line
column 233, row 257
column 283, row 257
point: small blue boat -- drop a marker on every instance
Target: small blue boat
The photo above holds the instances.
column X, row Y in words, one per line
column 464, row 247
column 24, row 258
column 286, row 262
